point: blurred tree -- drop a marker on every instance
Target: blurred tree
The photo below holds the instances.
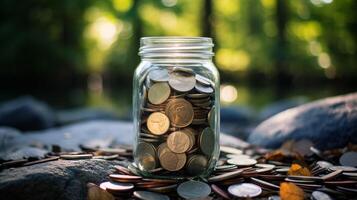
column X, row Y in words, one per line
column 42, row 40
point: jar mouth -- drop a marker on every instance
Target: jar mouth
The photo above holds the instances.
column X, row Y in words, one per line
column 176, row 47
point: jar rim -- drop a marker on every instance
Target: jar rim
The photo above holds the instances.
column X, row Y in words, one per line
column 176, row 46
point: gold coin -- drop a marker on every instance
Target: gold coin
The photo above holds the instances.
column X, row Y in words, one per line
column 182, row 81
column 191, row 134
column 159, row 93
column 172, row 161
column 180, row 112
column 162, row 148
column 158, row 123
column 178, row 142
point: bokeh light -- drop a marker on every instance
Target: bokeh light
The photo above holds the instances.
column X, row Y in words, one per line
column 228, row 93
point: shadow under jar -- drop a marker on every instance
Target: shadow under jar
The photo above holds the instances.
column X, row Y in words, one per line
column 176, row 108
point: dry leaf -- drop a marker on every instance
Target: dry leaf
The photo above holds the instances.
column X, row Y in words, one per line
column 289, row 191
column 275, row 155
column 96, row 193
column 299, row 170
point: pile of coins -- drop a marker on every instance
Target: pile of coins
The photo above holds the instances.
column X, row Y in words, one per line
column 177, row 123
column 249, row 173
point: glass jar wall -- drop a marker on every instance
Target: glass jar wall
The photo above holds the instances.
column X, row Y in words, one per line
column 176, row 108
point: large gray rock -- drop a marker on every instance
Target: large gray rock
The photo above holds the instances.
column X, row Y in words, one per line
column 328, row 123
column 27, row 113
column 84, row 114
column 279, row 106
column 60, row 179
column 237, row 121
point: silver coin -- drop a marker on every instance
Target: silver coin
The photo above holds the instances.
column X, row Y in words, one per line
column 230, row 150
column 203, row 80
column 349, row 159
column 203, row 89
column 183, row 69
column 193, row 190
column 274, row 197
column 207, row 141
column 146, row 195
column 324, row 164
column 182, row 82
column 245, row 190
column 159, row 75
column 145, row 156
column 236, row 156
column 116, row 187
column 318, row 195
column 212, row 117
column 343, row 168
column 265, row 165
column 242, row 162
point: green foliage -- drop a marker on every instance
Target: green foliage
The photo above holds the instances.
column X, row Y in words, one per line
column 315, row 39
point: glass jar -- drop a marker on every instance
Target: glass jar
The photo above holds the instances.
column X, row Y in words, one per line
column 176, row 108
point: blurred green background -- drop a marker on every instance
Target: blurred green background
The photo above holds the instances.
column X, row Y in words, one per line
column 73, row 53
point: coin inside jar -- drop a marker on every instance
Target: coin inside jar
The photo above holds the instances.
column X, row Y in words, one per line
column 196, row 164
column 207, row 141
column 158, row 123
column 146, row 153
column 204, row 89
column 180, row 112
column 159, row 75
column 147, row 161
column 182, row 81
column 178, row 142
column 172, row 161
column 159, row 93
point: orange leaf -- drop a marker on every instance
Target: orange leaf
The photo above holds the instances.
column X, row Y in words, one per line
column 275, row 155
column 289, row 191
column 298, row 170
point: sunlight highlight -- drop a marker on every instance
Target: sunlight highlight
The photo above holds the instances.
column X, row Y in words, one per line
column 228, row 93
column 324, row 60
column 105, row 31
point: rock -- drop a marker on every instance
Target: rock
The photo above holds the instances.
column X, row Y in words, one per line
column 23, row 152
column 26, row 113
column 237, row 121
column 60, row 179
column 237, row 114
column 280, row 106
column 328, row 123
column 97, row 133
column 7, row 136
column 83, row 114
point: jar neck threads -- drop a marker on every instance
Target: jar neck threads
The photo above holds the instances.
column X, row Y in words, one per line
column 176, row 47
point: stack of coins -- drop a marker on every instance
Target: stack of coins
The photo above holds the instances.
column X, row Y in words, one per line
column 247, row 173
column 177, row 122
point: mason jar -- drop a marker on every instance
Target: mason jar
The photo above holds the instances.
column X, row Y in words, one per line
column 176, row 108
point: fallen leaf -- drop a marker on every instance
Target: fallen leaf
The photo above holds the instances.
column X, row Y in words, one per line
column 299, row 170
column 96, row 193
column 289, row 191
column 275, row 155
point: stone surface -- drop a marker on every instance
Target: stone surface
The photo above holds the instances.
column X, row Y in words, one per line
column 237, row 121
column 83, row 114
column 328, row 123
column 60, row 179
column 26, row 113
column 279, row 106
